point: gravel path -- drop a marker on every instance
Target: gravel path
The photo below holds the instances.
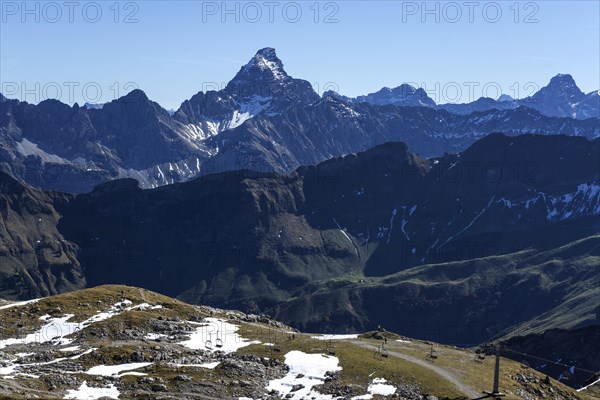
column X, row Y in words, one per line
column 467, row 390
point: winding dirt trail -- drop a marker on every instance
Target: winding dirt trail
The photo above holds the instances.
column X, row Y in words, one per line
column 449, row 376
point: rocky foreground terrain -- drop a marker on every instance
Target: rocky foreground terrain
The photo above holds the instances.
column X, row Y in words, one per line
column 123, row 342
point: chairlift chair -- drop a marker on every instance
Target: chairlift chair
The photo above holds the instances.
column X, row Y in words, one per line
column 218, row 341
column 479, row 354
column 432, row 355
column 565, row 376
column 208, row 344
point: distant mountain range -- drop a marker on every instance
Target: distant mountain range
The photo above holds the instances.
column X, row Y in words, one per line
column 561, row 98
column 500, row 238
column 263, row 120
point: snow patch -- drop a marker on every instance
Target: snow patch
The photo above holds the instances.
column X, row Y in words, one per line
column 584, row 201
column 133, row 373
column 311, row 368
column 347, row 237
column 56, row 330
column 210, row 365
column 9, row 370
column 23, row 355
column 216, row 334
column 86, row 392
column 248, row 110
column 154, row 336
column 265, row 64
column 394, row 212
column 114, row 370
column 70, row 349
column 591, row 384
column 336, row 337
column 19, row 304
column 380, row 387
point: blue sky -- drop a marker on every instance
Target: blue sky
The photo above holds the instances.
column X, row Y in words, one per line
column 174, row 49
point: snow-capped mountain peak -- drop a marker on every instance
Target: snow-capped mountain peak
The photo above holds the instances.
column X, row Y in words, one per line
column 266, row 60
column 268, row 54
column 263, row 67
column 260, row 86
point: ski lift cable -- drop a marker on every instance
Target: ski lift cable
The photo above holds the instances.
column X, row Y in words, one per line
column 549, row 361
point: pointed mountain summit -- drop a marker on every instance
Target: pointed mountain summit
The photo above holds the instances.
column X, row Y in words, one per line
column 124, row 123
column 134, row 104
column 263, row 67
column 564, row 81
column 563, row 86
column 264, row 77
column 260, row 86
column 136, row 94
column 558, row 99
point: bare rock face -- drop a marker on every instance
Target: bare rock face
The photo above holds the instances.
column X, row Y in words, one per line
column 36, row 260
